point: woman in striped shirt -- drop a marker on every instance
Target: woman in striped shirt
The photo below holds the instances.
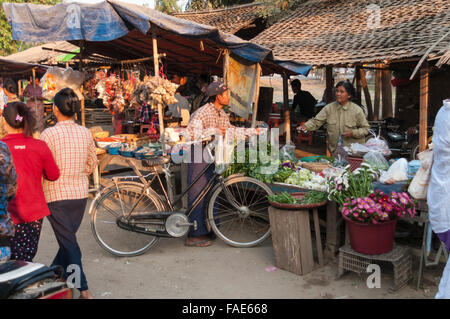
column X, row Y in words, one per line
column 74, row 150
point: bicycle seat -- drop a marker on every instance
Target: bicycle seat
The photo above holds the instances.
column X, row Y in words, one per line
column 161, row 160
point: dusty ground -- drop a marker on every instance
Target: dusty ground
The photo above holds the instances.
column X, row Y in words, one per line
column 171, row 270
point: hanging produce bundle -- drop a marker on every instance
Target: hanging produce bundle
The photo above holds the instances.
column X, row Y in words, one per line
column 155, row 91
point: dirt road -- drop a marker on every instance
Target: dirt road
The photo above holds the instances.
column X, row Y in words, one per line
column 172, row 270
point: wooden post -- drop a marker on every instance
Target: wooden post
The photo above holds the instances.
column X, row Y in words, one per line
column 378, row 78
column 424, row 101
column 358, row 84
column 366, row 94
column 329, row 84
column 387, row 94
column 19, row 88
column 156, row 66
column 287, row 114
column 82, row 102
column 255, row 106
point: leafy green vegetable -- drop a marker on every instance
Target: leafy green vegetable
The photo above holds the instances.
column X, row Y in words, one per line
column 282, row 198
column 314, row 197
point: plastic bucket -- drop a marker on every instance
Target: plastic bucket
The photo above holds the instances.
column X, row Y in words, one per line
column 371, row 239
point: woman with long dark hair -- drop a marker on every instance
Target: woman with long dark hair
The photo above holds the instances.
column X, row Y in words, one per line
column 33, row 161
column 74, row 150
column 343, row 118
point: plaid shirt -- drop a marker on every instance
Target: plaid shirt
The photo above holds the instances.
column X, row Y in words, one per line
column 74, row 150
column 208, row 120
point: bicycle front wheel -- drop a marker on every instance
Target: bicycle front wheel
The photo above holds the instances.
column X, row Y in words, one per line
column 245, row 226
column 124, row 202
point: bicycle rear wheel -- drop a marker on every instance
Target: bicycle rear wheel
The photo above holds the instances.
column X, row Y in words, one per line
column 117, row 202
column 244, row 227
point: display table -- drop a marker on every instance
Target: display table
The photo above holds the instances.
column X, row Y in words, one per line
column 291, row 239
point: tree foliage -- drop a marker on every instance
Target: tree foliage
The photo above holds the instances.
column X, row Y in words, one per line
column 7, row 45
column 167, row 6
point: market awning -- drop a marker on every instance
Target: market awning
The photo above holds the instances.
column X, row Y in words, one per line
column 15, row 69
column 121, row 31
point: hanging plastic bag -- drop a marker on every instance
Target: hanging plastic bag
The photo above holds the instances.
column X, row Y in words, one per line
column 287, row 153
column 376, row 160
column 377, row 144
column 396, row 173
column 359, row 149
column 419, row 185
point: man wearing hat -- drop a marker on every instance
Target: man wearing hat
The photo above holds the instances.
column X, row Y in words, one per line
column 208, row 120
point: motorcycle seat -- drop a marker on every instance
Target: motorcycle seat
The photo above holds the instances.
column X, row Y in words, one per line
column 16, row 275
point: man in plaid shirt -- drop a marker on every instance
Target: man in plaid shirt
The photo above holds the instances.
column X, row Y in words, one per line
column 209, row 120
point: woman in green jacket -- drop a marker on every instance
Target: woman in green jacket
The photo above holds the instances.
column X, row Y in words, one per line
column 342, row 117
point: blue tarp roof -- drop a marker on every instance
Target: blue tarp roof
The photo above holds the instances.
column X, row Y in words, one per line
column 117, row 22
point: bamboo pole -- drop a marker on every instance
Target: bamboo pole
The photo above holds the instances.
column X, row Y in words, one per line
column 37, row 133
column 366, row 94
column 387, row 94
column 82, row 102
column 424, row 102
column 329, row 84
column 358, row 84
column 156, row 67
column 255, row 105
column 378, row 78
column 287, row 114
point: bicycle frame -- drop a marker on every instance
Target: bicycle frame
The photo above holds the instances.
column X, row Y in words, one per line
column 147, row 185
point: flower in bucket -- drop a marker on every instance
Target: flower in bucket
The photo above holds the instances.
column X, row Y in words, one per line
column 379, row 207
column 351, row 185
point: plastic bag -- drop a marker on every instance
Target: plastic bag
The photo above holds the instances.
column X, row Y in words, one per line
column 359, row 149
column 287, row 153
column 56, row 79
column 377, row 144
column 376, row 160
column 396, row 173
column 419, row 185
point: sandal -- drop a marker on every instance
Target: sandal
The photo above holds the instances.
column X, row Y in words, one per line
column 199, row 243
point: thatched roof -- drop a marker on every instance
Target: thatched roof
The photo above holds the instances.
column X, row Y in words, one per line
column 339, row 32
column 229, row 20
column 38, row 55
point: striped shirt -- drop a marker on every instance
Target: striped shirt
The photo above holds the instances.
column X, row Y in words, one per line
column 74, row 150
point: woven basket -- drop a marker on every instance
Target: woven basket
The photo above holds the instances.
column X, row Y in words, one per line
column 355, row 162
column 316, row 167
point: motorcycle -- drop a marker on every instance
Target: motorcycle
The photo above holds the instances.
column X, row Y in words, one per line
column 25, row 280
column 401, row 143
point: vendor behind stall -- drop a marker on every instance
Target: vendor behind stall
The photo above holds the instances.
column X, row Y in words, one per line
column 342, row 117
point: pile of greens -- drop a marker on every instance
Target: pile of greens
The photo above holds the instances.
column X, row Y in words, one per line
column 311, row 197
column 282, row 198
column 314, row 197
column 259, row 170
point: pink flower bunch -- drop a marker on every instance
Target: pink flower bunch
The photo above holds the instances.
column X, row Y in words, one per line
column 379, row 207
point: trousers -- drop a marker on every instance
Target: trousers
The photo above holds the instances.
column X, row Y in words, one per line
column 198, row 214
column 65, row 219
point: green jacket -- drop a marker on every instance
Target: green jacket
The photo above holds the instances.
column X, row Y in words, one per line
column 340, row 119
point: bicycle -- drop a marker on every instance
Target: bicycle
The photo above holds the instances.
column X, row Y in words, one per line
column 143, row 216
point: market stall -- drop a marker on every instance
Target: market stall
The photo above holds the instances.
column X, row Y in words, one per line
column 133, row 37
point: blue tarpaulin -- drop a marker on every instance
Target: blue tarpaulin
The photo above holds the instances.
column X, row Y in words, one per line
column 114, row 21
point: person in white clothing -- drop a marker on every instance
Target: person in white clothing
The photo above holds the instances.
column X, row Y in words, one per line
column 439, row 190
column 181, row 109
